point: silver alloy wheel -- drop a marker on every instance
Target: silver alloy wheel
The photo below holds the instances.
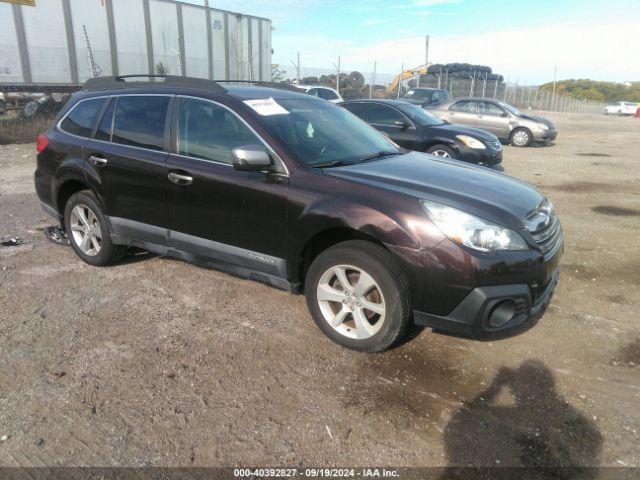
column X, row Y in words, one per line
column 85, row 230
column 351, row 301
column 441, row 153
column 521, row 138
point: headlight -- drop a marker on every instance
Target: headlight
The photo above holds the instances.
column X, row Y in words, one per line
column 472, row 231
column 543, row 126
column 471, row 142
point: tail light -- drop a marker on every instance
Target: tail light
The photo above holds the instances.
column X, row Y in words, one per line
column 42, row 143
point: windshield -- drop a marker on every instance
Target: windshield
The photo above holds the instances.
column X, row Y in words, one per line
column 417, row 93
column 321, row 133
column 420, row 115
column 510, row 109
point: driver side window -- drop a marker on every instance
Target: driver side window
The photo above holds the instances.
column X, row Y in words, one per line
column 383, row 115
column 210, row 132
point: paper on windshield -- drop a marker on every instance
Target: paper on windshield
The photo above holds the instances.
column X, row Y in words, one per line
column 267, row 106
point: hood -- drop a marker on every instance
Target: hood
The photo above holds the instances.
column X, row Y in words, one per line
column 415, row 101
column 480, row 191
column 537, row 118
column 453, row 130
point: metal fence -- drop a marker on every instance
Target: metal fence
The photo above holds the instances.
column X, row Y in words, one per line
column 481, row 85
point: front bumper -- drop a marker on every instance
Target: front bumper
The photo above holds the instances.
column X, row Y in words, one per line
column 546, row 136
column 489, row 157
column 495, row 311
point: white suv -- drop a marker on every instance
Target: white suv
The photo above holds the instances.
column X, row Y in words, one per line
column 326, row 93
column 620, row 108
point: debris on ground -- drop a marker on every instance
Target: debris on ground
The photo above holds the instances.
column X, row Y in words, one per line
column 11, row 242
column 56, row 234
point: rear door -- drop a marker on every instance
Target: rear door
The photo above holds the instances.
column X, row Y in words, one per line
column 214, row 210
column 463, row 112
column 127, row 161
column 390, row 121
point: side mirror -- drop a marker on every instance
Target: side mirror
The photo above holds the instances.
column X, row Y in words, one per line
column 403, row 124
column 504, row 114
column 251, row 158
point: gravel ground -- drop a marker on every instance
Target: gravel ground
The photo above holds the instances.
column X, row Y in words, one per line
column 157, row 362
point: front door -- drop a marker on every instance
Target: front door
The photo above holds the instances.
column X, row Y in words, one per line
column 390, row 121
column 493, row 119
column 127, row 160
column 214, row 210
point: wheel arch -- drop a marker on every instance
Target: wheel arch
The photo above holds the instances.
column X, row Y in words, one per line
column 66, row 189
column 323, row 240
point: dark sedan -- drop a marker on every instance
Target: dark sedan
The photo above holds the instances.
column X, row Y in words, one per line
column 414, row 128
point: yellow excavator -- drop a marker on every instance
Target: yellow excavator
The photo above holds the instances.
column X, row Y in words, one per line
column 412, row 72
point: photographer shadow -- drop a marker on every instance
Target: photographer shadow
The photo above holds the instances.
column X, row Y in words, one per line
column 521, row 421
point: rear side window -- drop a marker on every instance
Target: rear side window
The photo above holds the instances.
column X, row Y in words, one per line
column 209, row 131
column 467, row 106
column 104, row 129
column 82, row 118
column 326, row 94
column 356, row 108
column 139, row 121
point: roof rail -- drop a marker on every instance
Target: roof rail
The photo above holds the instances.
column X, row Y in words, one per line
column 121, row 81
column 263, row 83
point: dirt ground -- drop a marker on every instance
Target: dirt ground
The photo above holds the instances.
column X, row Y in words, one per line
column 157, row 362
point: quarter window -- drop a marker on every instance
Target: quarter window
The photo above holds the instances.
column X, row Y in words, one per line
column 81, row 119
column 139, row 121
column 209, row 131
column 327, row 94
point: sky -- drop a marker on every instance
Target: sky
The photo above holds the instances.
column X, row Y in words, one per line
column 522, row 40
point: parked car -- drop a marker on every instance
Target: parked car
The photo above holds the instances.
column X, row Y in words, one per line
column 503, row 120
column 325, row 93
column 621, row 108
column 426, row 97
column 412, row 127
column 283, row 188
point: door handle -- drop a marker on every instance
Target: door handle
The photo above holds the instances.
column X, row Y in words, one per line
column 97, row 161
column 180, row 179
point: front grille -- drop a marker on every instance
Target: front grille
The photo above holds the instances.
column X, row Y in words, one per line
column 549, row 238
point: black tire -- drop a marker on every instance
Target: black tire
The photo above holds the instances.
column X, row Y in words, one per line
column 434, row 149
column 109, row 253
column 619, row 113
column 382, row 267
column 521, row 131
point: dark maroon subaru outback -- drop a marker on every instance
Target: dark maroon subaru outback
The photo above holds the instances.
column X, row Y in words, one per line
column 293, row 191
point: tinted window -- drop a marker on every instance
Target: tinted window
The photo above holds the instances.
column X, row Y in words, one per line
column 104, row 130
column 467, row 106
column 418, row 93
column 383, row 115
column 319, row 133
column 81, row 119
column 139, row 121
column 489, row 108
column 209, row 131
column 313, row 91
column 326, row 94
column 356, row 108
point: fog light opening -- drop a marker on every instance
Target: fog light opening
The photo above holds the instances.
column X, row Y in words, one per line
column 502, row 313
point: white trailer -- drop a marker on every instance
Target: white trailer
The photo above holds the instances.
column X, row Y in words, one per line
column 55, row 42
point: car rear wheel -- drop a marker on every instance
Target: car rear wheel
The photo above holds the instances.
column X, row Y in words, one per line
column 441, row 151
column 521, row 137
column 358, row 296
column 619, row 113
column 88, row 230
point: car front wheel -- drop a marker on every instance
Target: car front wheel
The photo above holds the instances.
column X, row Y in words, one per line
column 358, row 296
column 441, row 151
column 521, row 137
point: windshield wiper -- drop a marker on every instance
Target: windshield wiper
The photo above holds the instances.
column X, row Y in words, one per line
column 377, row 155
column 342, row 163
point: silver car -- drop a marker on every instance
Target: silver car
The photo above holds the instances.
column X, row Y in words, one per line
column 503, row 120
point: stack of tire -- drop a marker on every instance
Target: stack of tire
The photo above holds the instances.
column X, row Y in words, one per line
column 463, row 71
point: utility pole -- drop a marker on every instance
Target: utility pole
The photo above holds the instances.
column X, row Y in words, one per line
column 553, row 94
column 373, row 79
column 400, row 81
column 337, row 67
column 297, row 67
column 426, row 51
